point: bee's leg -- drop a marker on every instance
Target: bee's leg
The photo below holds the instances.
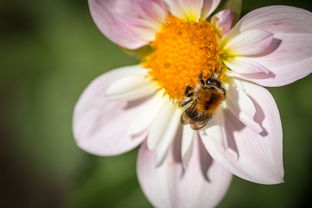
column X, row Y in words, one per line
column 218, row 83
column 186, row 101
column 187, row 91
column 201, row 78
column 211, row 80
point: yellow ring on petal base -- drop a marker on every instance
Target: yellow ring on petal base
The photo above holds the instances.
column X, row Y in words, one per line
column 182, row 50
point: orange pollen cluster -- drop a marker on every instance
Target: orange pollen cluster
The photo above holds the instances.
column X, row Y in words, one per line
column 180, row 52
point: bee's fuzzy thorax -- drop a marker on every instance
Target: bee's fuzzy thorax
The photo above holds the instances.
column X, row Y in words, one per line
column 201, row 102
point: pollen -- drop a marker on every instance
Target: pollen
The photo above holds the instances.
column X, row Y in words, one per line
column 181, row 51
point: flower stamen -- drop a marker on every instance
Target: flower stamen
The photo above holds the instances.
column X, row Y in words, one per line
column 181, row 51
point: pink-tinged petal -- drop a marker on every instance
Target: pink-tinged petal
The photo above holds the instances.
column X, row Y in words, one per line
column 128, row 23
column 248, row 43
column 235, row 6
column 202, row 184
column 289, row 55
column 100, row 126
column 242, row 107
column 223, row 20
column 209, row 7
column 251, row 156
column 276, row 19
column 247, row 66
column 292, row 60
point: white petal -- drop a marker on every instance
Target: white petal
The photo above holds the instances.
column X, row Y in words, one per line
column 209, row 7
column 242, row 107
column 187, row 143
column 99, row 125
column 202, row 184
column 247, row 66
column 248, row 43
column 144, row 119
column 175, row 8
column 168, row 136
column 251, row 156
column 189, row 10
column 160, row 124
column 131, row 87
column 214, row 129
column 192, row 10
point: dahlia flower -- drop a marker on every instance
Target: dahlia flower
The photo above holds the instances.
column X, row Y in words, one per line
column 196, row 102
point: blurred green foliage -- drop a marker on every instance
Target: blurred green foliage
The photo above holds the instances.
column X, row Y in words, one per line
column 50, row 51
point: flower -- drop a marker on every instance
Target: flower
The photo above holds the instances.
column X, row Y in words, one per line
column 179, row 166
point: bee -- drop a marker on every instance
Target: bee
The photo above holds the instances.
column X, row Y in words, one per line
column 201, row 102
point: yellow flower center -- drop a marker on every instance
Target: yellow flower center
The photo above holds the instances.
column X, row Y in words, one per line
column 181, row 51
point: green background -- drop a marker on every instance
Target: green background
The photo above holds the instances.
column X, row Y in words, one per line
column 50, row 51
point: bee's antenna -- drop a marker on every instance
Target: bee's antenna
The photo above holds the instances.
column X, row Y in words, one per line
column 216, row 74
column 215, row 69
column 201, row 78
column 221, row 69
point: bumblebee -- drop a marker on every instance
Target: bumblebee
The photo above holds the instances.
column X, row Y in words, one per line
column 202, row 101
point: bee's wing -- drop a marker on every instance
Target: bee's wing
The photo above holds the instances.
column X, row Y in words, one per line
column 185, row 118
column 199, row 119
column 200, row 124
column 186, row 101
column 195, row 118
